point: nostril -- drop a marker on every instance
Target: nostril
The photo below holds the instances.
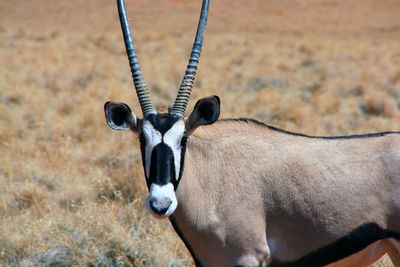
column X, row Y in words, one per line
column 160, row 207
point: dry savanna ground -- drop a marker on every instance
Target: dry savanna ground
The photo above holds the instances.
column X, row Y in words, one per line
column 72, row 190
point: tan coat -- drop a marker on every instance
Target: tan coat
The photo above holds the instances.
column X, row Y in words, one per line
column 251, row 194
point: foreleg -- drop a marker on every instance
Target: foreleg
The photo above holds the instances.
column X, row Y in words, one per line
column 394, row 251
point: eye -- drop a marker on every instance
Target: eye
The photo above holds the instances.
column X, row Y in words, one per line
column 184, row 140
column 142, row 140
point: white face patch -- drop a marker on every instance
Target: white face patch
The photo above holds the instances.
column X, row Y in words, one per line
column 173, row 138
column 162, row 193
column 161, row 200
column 153, row 138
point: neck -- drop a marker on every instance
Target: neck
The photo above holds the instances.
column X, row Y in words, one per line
column 211, row 168
column 214, row 162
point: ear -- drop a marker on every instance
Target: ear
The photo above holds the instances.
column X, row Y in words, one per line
column 206, row 111
column 120, row 117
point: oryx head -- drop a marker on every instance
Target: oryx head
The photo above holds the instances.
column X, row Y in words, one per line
column 162, row 136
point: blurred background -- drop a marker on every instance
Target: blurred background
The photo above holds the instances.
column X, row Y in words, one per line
column 72, row 190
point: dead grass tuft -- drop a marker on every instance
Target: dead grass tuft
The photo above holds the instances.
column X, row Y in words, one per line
column 380, row 104
column 57, row 257
column 121, row 183
column 71, row 203
column 26, row 199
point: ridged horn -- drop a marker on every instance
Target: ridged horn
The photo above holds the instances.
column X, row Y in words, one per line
column 140, row 85
column 188, row 79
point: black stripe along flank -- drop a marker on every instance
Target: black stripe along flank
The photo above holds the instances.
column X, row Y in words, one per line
column 352, row 243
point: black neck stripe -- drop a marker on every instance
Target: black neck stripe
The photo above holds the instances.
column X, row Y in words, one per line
column 180, row 234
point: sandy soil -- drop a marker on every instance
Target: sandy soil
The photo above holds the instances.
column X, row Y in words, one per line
column 71, row 189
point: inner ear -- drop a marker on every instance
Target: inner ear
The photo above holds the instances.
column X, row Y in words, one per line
column 206, row 111
column 119, row 116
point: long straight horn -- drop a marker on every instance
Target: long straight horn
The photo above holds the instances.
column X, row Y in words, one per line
column 140, row 85
column 188, row 80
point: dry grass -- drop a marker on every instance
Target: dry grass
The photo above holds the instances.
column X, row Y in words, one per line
column 71, row 189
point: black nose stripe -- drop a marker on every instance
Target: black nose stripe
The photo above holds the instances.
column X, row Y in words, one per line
column 162, row 165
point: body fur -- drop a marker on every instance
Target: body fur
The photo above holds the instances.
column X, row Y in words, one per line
column 258, row 194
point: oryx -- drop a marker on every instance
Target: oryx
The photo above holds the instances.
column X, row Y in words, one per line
column 241, row 193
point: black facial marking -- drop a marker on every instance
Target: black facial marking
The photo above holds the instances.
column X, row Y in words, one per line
column 352, row 243
column 183, row 150
column 162, row 122
column 162, row 166
column 184, row 140
column 142, row 141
